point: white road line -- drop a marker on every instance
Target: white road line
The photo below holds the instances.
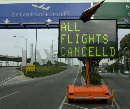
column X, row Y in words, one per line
column 75, row 106
column 75, row 78
column 74, row 81
column 9, row 95
column 114, row 99
column 7, row 79
column 62, row 103
column 37, row 84
column 60, row 107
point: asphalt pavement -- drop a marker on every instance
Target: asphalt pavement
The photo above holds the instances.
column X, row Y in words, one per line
column 45, row 93
column 7, row 73
column 121, row 85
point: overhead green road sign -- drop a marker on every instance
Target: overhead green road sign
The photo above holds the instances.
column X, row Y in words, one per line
column 114, row 10
column 95, row 38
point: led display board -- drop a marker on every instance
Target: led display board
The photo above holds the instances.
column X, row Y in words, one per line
column 95, row 38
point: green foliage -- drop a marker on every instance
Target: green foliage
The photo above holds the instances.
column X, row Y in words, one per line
column 42, row 71
column 95, row 78
column 60, row 64
column 49, row 63
column 56, row 64
column 116, row 66
column 125, row 42
column 94, row 62
column 120, row 52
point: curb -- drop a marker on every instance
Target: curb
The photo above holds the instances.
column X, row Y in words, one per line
column 25, row 79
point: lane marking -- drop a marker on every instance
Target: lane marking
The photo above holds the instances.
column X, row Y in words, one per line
column 37, row 84
column 7, row 79
column 113, row 99
column 62, row 103
column 76, row 78
column 75, row 106
column 9, row 95
column 85, row 107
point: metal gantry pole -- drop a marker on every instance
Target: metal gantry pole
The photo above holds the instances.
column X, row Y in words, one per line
column 35, row 49
column 26, row 53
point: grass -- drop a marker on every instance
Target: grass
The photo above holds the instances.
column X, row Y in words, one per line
column 42, row 71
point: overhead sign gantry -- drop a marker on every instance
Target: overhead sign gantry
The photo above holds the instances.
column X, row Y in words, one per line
column 118, row 10
column 38, row 15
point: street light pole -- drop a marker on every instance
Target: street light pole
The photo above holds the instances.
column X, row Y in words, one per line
column 26, row 47
column 124, row 57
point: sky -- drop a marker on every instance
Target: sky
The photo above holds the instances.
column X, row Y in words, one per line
column 12, row 46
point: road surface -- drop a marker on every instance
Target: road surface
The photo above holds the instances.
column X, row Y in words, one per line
column 45, row 93
column 7, row 73
column 121, row 86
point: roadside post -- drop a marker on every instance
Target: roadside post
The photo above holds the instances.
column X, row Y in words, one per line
column 113, row 97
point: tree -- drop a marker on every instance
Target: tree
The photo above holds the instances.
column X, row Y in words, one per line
column 94, row 63
column 125, row 42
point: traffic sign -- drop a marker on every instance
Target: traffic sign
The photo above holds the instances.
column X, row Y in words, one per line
column 40, row 12
column 30, row 68
column 118, row 10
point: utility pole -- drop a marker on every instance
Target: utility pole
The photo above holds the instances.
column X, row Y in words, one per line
column 124, row 57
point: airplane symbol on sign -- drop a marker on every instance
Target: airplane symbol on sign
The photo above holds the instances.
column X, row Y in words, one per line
column 6, row 21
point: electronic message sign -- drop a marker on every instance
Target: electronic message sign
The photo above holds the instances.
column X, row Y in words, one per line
column 95, row 38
